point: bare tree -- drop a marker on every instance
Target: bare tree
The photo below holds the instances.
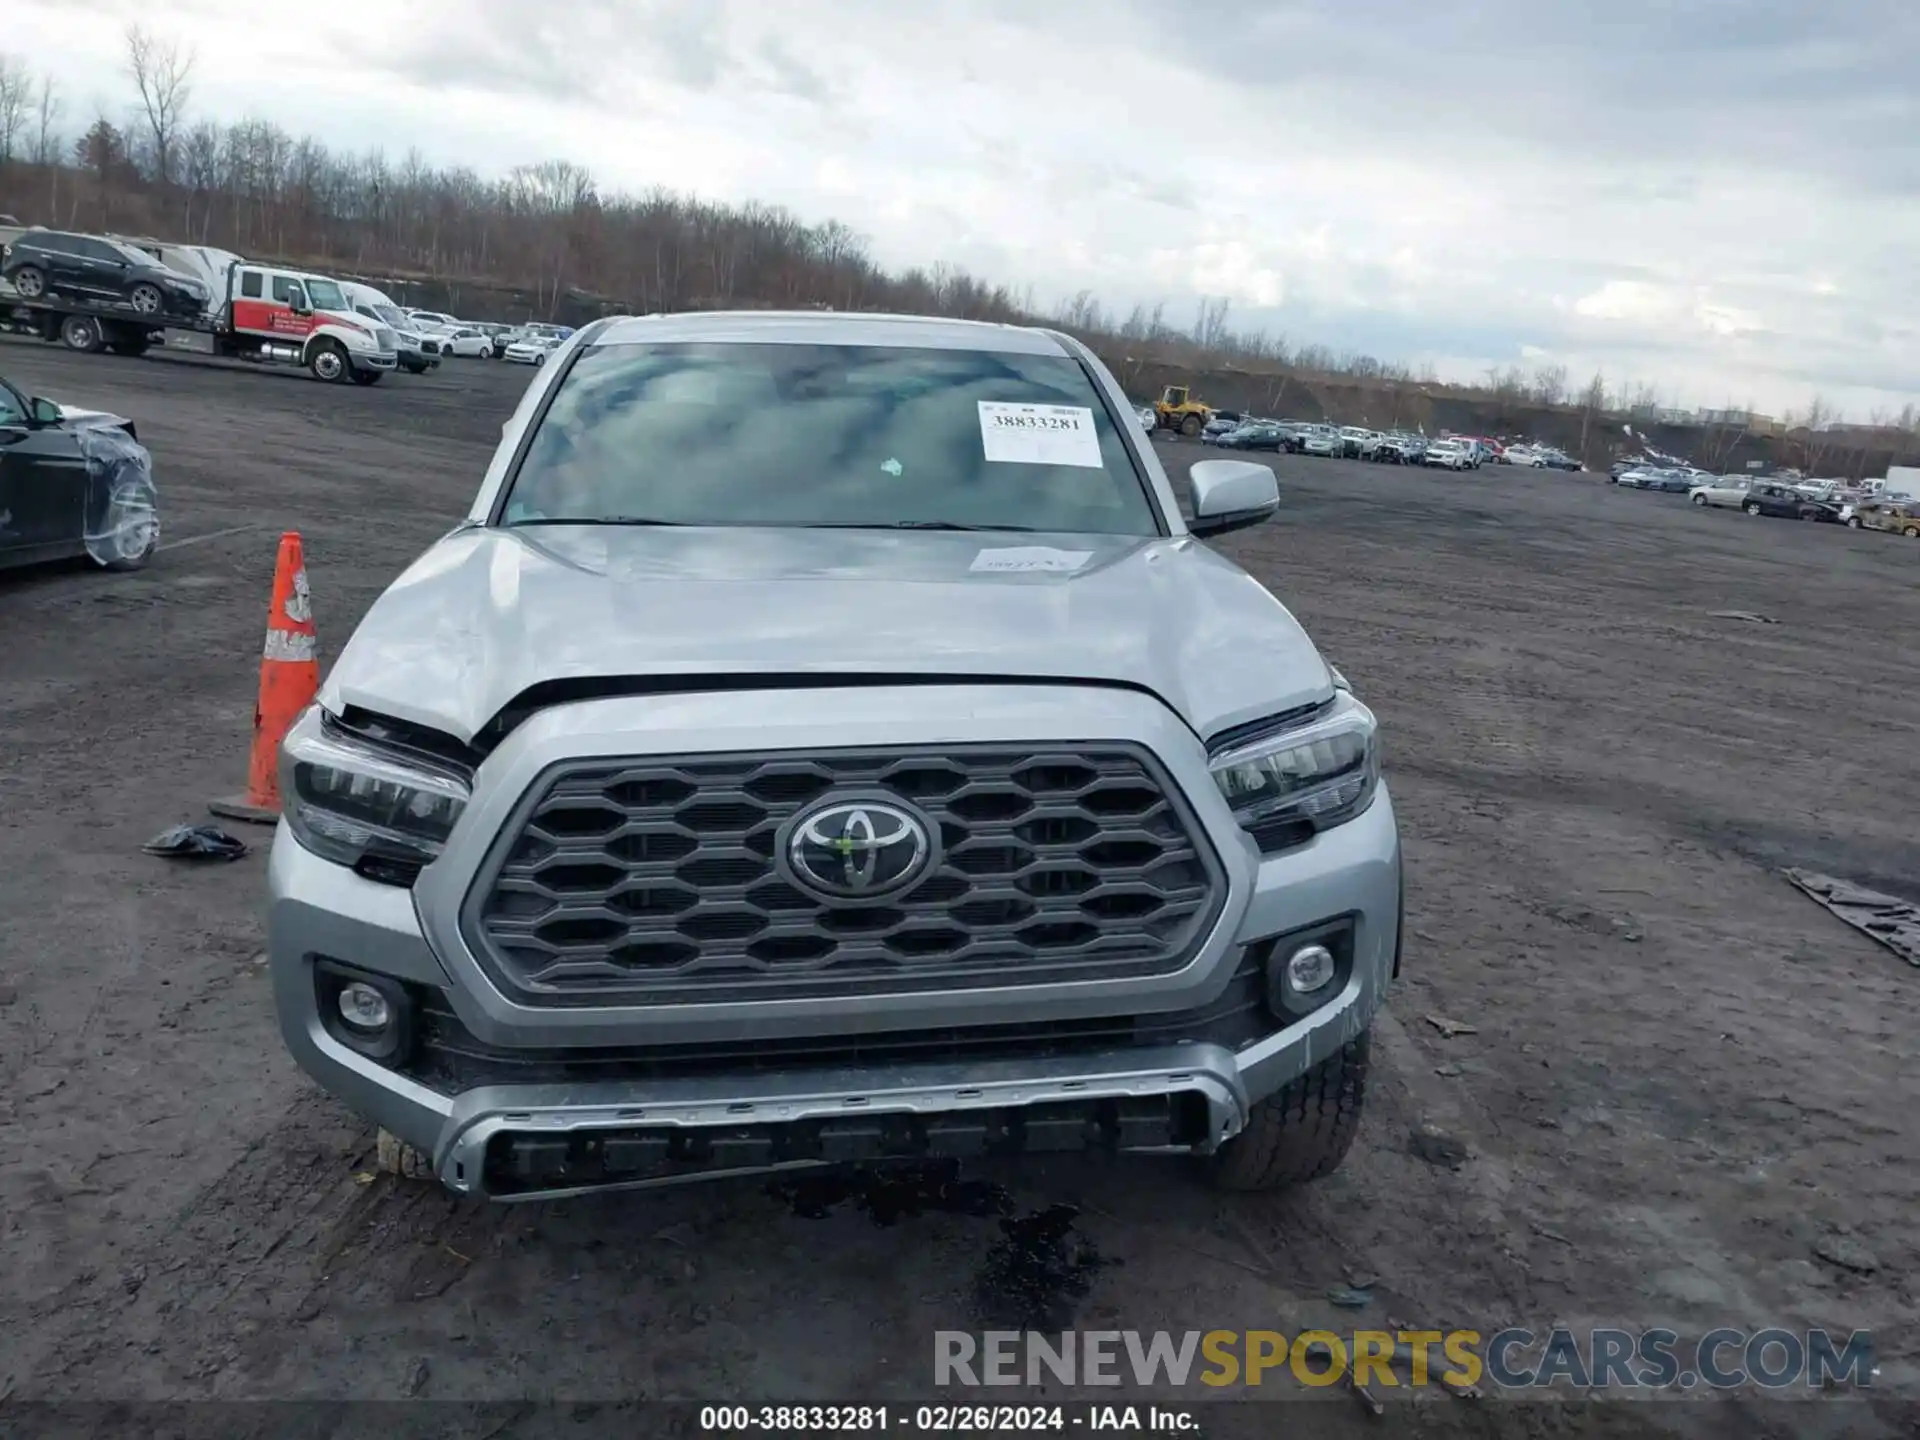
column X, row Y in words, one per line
column 1593, row 404
column 1818, row 420
column 46, row 133
column 162, row 73
column 16, row 103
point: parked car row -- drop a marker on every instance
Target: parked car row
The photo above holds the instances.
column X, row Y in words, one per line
column 1305, row 437
column 486, row 340
column 1829, row 502
column 1234, row 431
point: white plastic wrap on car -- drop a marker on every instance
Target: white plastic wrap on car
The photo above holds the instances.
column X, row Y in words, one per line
column 126, row 528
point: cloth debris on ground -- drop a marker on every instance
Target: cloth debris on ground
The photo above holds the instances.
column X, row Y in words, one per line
column 196, row 842
column 1848, row 1254
column 1435, row 1146
column 1894, row 922
column 1755, row 617
column 1449, row 1028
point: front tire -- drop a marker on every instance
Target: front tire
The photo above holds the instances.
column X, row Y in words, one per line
column 328, row 362
column 1191, row 426
column 145, row 299
column 1853, row 522
column 1303, row 1130
column 131, row 520
column 1751, row 508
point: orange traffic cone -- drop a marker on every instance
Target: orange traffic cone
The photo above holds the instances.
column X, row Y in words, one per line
column 289, row 679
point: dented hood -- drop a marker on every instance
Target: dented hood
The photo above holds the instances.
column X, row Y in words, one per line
column 488, row 613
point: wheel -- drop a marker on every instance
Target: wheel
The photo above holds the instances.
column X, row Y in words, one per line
column 328, row 361
column 145, row 299
column 1853, row 522
column 394, row 1156
column 1191, row 425
column 1751, row 508
column 1301, row 1132
column 539, row 360
column 1700, row 500
column 30, row 281
column 135, row 528
column 1912, row 532
column 367, row 377
column 80, row 332
column 414, row 367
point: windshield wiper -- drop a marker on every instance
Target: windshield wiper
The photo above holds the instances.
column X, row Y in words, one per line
column 912, row 525
column 590, row 520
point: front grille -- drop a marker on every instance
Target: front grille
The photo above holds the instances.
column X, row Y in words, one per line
column 385, row 339
column 653, row 881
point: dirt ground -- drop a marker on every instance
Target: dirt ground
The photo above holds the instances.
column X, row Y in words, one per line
column 1682, row 1075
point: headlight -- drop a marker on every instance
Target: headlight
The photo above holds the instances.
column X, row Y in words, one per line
column 1285, row 786
column 357, row 804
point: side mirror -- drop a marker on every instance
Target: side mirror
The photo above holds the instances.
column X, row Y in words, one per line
column 1231, row 495
column 44, row 412
column 300, row 306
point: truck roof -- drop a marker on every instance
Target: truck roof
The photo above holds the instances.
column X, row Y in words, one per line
column 829, row 327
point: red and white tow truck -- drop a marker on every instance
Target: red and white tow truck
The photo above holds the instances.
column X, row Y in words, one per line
column 264, row 313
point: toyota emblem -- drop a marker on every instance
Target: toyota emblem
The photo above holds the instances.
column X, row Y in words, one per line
column 858, row 849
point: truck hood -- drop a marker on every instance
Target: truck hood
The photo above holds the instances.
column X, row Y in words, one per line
column 488, row 613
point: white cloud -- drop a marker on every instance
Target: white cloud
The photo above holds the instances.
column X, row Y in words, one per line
column 1631, row 300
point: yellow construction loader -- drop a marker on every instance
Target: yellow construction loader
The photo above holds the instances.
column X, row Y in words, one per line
column 1177, row 409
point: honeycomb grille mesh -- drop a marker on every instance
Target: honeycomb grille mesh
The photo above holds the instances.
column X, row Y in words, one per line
column 653, row 881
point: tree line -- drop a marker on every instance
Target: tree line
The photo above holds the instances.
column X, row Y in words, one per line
column 551, row 230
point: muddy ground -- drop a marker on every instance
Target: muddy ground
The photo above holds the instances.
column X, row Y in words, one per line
column 1683, row 1077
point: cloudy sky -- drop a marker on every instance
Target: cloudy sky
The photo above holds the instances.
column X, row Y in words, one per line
column 1721, row 197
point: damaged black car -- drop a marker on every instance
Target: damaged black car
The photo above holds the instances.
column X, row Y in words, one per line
column 73, row 483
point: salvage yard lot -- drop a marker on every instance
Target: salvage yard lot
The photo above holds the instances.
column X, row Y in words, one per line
column 1682, row 1078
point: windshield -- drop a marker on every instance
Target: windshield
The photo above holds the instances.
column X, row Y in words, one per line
column 838, row 435
column 391, row 314
column 326, row 295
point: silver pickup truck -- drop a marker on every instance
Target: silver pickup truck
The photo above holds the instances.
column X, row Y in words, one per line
column 825, row 741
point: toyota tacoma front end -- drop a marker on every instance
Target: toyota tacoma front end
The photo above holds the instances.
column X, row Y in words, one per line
column 825, row 741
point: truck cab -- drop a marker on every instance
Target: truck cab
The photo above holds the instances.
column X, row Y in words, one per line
column 289, row 315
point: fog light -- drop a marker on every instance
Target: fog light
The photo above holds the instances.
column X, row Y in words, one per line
column 1309, row 969
column 365, row 1008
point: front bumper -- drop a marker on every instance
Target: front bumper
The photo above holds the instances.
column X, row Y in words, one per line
column 373, row 359
column 1176, row 1092
column 181, row 304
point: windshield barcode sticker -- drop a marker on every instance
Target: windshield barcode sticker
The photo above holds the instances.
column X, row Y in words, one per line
column 1039, row 434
